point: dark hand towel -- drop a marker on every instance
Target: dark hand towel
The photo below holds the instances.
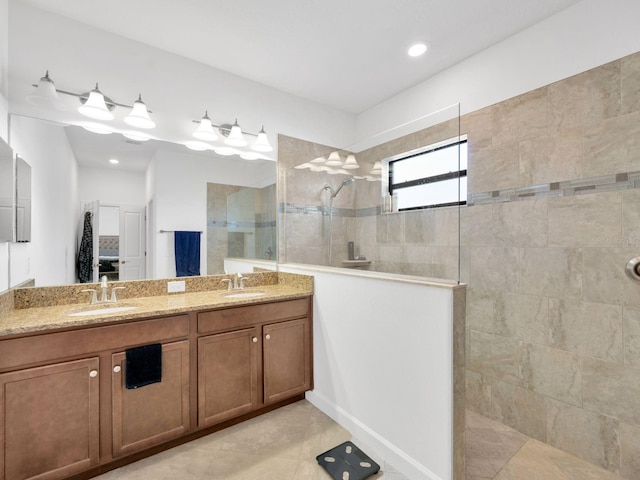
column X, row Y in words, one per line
column 143, row 366
column 187, row 250
column 85, row 254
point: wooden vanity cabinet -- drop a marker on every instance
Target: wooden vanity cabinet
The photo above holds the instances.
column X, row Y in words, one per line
column 153, row 414
column 262, row 355
column 50, row 424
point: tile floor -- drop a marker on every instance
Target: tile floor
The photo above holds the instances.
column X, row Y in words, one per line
column 283, row 444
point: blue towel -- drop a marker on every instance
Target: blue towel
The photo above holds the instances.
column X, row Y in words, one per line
column 187, row 250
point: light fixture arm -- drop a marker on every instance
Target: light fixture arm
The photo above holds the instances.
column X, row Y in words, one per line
column 225, row 129
column 85, row 96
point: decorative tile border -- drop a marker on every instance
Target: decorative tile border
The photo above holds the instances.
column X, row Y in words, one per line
column 226, row 224
column 607, row 183
column 322, row 210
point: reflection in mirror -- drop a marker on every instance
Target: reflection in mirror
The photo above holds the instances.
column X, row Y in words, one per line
column 23, row 200
column 6, row 193
column 165, row 181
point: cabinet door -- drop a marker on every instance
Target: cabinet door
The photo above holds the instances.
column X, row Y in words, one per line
column 49, row 423
column 227, row 375
column 155, row 413
column 287, row 359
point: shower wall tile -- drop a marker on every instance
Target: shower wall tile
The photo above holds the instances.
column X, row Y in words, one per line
column 519, row 408
column 604, row 277
column 479, row 128
column 494, row 168
column 586, row 220
column 494, row 268
column 419, row 227
column 585, row 99
column 476, row 226
column 612, row 389
column 437, row 133
column 612, row 146
column 478, row 392
column 588, row 435
column 521, row 117
column 389, row 229
column 493, row 355
column 631, row 218
column 445, row 262
column 551, row 272
column 521, row 317
column 588, row 329
column 629, row 451
column 446, row 224
column 551, row 158
column 630, row 83
column 521, row 224
column 631, row 326
column 552, row 373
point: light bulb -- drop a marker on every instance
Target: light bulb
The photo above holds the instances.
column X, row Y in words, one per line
column 95, row 107
column 139, row 116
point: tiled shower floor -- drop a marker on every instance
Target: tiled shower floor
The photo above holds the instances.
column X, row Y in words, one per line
column 283, row 444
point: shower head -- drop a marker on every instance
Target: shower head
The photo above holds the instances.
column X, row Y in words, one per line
column 348, row 181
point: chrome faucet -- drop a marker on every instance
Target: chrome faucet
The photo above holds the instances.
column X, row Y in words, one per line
column 236, row 282
column 103, row 289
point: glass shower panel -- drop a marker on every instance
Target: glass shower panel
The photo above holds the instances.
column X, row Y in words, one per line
column 342, row 213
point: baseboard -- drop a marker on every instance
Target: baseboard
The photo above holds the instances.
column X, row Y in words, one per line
column 373, row 444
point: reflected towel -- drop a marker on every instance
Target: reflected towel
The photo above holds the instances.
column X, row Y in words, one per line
column 143, row 366
column 187, row 251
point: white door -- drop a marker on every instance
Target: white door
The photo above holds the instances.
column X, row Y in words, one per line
column 132, row 243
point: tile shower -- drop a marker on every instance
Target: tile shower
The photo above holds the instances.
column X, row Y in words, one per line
column 553, row 323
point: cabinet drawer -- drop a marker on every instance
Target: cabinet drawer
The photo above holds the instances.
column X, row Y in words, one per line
column 42, row 348
column 231, row 318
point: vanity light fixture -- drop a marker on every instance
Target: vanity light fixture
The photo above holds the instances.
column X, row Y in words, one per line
column 45, row 94
column 350, row 163
column 235, row 137
column 262, row 142
column 334, row 160
column 205, row 129
column 95, row 106
column 139, row 116
column 377, row 168
column 114, row 161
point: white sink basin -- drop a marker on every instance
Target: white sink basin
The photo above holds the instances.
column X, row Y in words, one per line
column 243, row 294
column 99, row 310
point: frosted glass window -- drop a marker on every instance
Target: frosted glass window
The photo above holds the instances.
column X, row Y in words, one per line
column 432, row 178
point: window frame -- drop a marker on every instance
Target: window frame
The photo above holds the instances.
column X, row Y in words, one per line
column 391, row 187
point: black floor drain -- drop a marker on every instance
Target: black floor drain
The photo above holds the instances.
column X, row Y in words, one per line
column 347, row 462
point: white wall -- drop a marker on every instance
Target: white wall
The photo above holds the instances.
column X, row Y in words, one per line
column 584, row 36
column 179, row 190
column 4, row 109
column 382, row 366
column 111, row 185
column 50, row 256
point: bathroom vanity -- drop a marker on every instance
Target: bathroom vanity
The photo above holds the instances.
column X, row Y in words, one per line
column 66, row 411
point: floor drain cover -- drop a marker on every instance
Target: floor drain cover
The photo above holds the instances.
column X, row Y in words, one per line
column 347, row 462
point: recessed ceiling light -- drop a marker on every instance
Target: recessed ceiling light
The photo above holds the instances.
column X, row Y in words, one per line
column 114, row 161
column 417, row 49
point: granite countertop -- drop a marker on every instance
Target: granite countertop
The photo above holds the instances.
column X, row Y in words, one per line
column 40, row 319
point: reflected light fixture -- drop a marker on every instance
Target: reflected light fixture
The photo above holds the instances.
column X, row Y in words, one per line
column 97, row 128
column 249, row 155
column 139, row 116
column 137, row 136
column 235, row 138
column 114, row 161
column 302, row 166
column 225, row 151
column 350, row 163
column 319, row 160
column 45, row 94
column 334, row 160
column 205, row 129
column 95, row 106
column 377, row 168
column 262, row 142
column 197, row 146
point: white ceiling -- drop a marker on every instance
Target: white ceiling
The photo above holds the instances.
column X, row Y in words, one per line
column 350, row 55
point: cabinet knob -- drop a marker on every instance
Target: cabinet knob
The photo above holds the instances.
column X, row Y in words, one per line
column 117, row 369
column 254, row 339
column 267, row 336
column 93, row 373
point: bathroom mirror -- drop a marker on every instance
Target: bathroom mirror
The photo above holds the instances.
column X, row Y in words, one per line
column 23, row 200
column 6, row 193
column 166, row 180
